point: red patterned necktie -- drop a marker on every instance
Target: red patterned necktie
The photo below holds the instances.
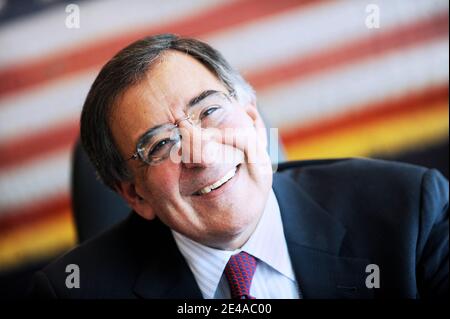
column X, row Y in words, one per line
column 239, row 272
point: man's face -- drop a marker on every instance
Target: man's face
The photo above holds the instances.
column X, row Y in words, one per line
column 172, row 191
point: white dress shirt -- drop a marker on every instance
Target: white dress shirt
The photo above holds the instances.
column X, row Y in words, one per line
column 274, row 276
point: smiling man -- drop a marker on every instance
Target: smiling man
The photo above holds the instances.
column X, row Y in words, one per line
column 179, row 94
column 172, row 128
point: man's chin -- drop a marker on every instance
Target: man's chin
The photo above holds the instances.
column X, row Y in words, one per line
column 228, row 241
column 234, row 232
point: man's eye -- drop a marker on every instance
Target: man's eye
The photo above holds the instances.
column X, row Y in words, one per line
column 157, row 148
column 208, row 112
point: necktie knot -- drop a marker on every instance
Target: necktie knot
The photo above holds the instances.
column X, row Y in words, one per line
column 239, row 272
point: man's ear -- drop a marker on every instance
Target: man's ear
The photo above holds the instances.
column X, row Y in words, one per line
column 140, row 205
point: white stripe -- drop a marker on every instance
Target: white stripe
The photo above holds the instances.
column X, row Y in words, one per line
column 42, row 107
column 97, row 19
column 348, row 88
column 46, row 177
column 307, row 30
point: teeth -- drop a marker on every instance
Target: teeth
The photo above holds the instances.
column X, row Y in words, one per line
column 219, row 183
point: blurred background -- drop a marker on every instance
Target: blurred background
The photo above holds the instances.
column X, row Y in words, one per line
column 338, row 78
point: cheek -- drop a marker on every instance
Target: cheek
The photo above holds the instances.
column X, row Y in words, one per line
column 161, row 182
column 251, row 140
column 237, row 128
column 242, row 135
column 240, row 119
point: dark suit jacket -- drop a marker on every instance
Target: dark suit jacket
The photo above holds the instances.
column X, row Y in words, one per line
column 338, row 216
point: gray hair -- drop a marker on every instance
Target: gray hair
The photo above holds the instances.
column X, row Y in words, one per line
column 126, row 68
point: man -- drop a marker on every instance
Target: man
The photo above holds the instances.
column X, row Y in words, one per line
column 172, row 128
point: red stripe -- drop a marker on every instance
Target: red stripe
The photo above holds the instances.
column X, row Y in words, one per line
column 12, row 153
column 401, row 37
column 27, row 147
column 34, row 212
column 370, row 113
column 97, row 53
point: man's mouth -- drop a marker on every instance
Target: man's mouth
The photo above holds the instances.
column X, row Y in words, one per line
column 207, row 189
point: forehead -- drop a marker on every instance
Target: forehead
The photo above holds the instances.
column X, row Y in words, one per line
column 161, row 96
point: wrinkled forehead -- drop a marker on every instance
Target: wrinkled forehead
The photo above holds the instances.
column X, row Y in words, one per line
column 161, row 96
column 169, row 84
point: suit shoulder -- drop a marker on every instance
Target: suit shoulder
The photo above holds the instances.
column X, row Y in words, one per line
column 97, row 261
column 99, row 246
column 354, row 172
column 353, row 188
column 349, row 165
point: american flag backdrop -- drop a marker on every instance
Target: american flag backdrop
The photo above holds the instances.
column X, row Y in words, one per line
column 333, row 83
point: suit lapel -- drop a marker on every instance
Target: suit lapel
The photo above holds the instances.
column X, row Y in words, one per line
column 164, row 273
column 314, row 240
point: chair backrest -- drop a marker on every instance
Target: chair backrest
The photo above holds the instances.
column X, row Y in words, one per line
column 94, row 205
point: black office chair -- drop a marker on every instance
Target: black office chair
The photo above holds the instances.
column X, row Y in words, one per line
column 94, row 205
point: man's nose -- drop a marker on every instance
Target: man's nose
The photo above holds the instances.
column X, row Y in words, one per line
column 198, row 146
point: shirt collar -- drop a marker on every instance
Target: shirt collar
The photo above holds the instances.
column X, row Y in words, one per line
column 267, row 243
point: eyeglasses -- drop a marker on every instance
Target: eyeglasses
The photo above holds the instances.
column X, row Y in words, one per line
column 210, row 112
